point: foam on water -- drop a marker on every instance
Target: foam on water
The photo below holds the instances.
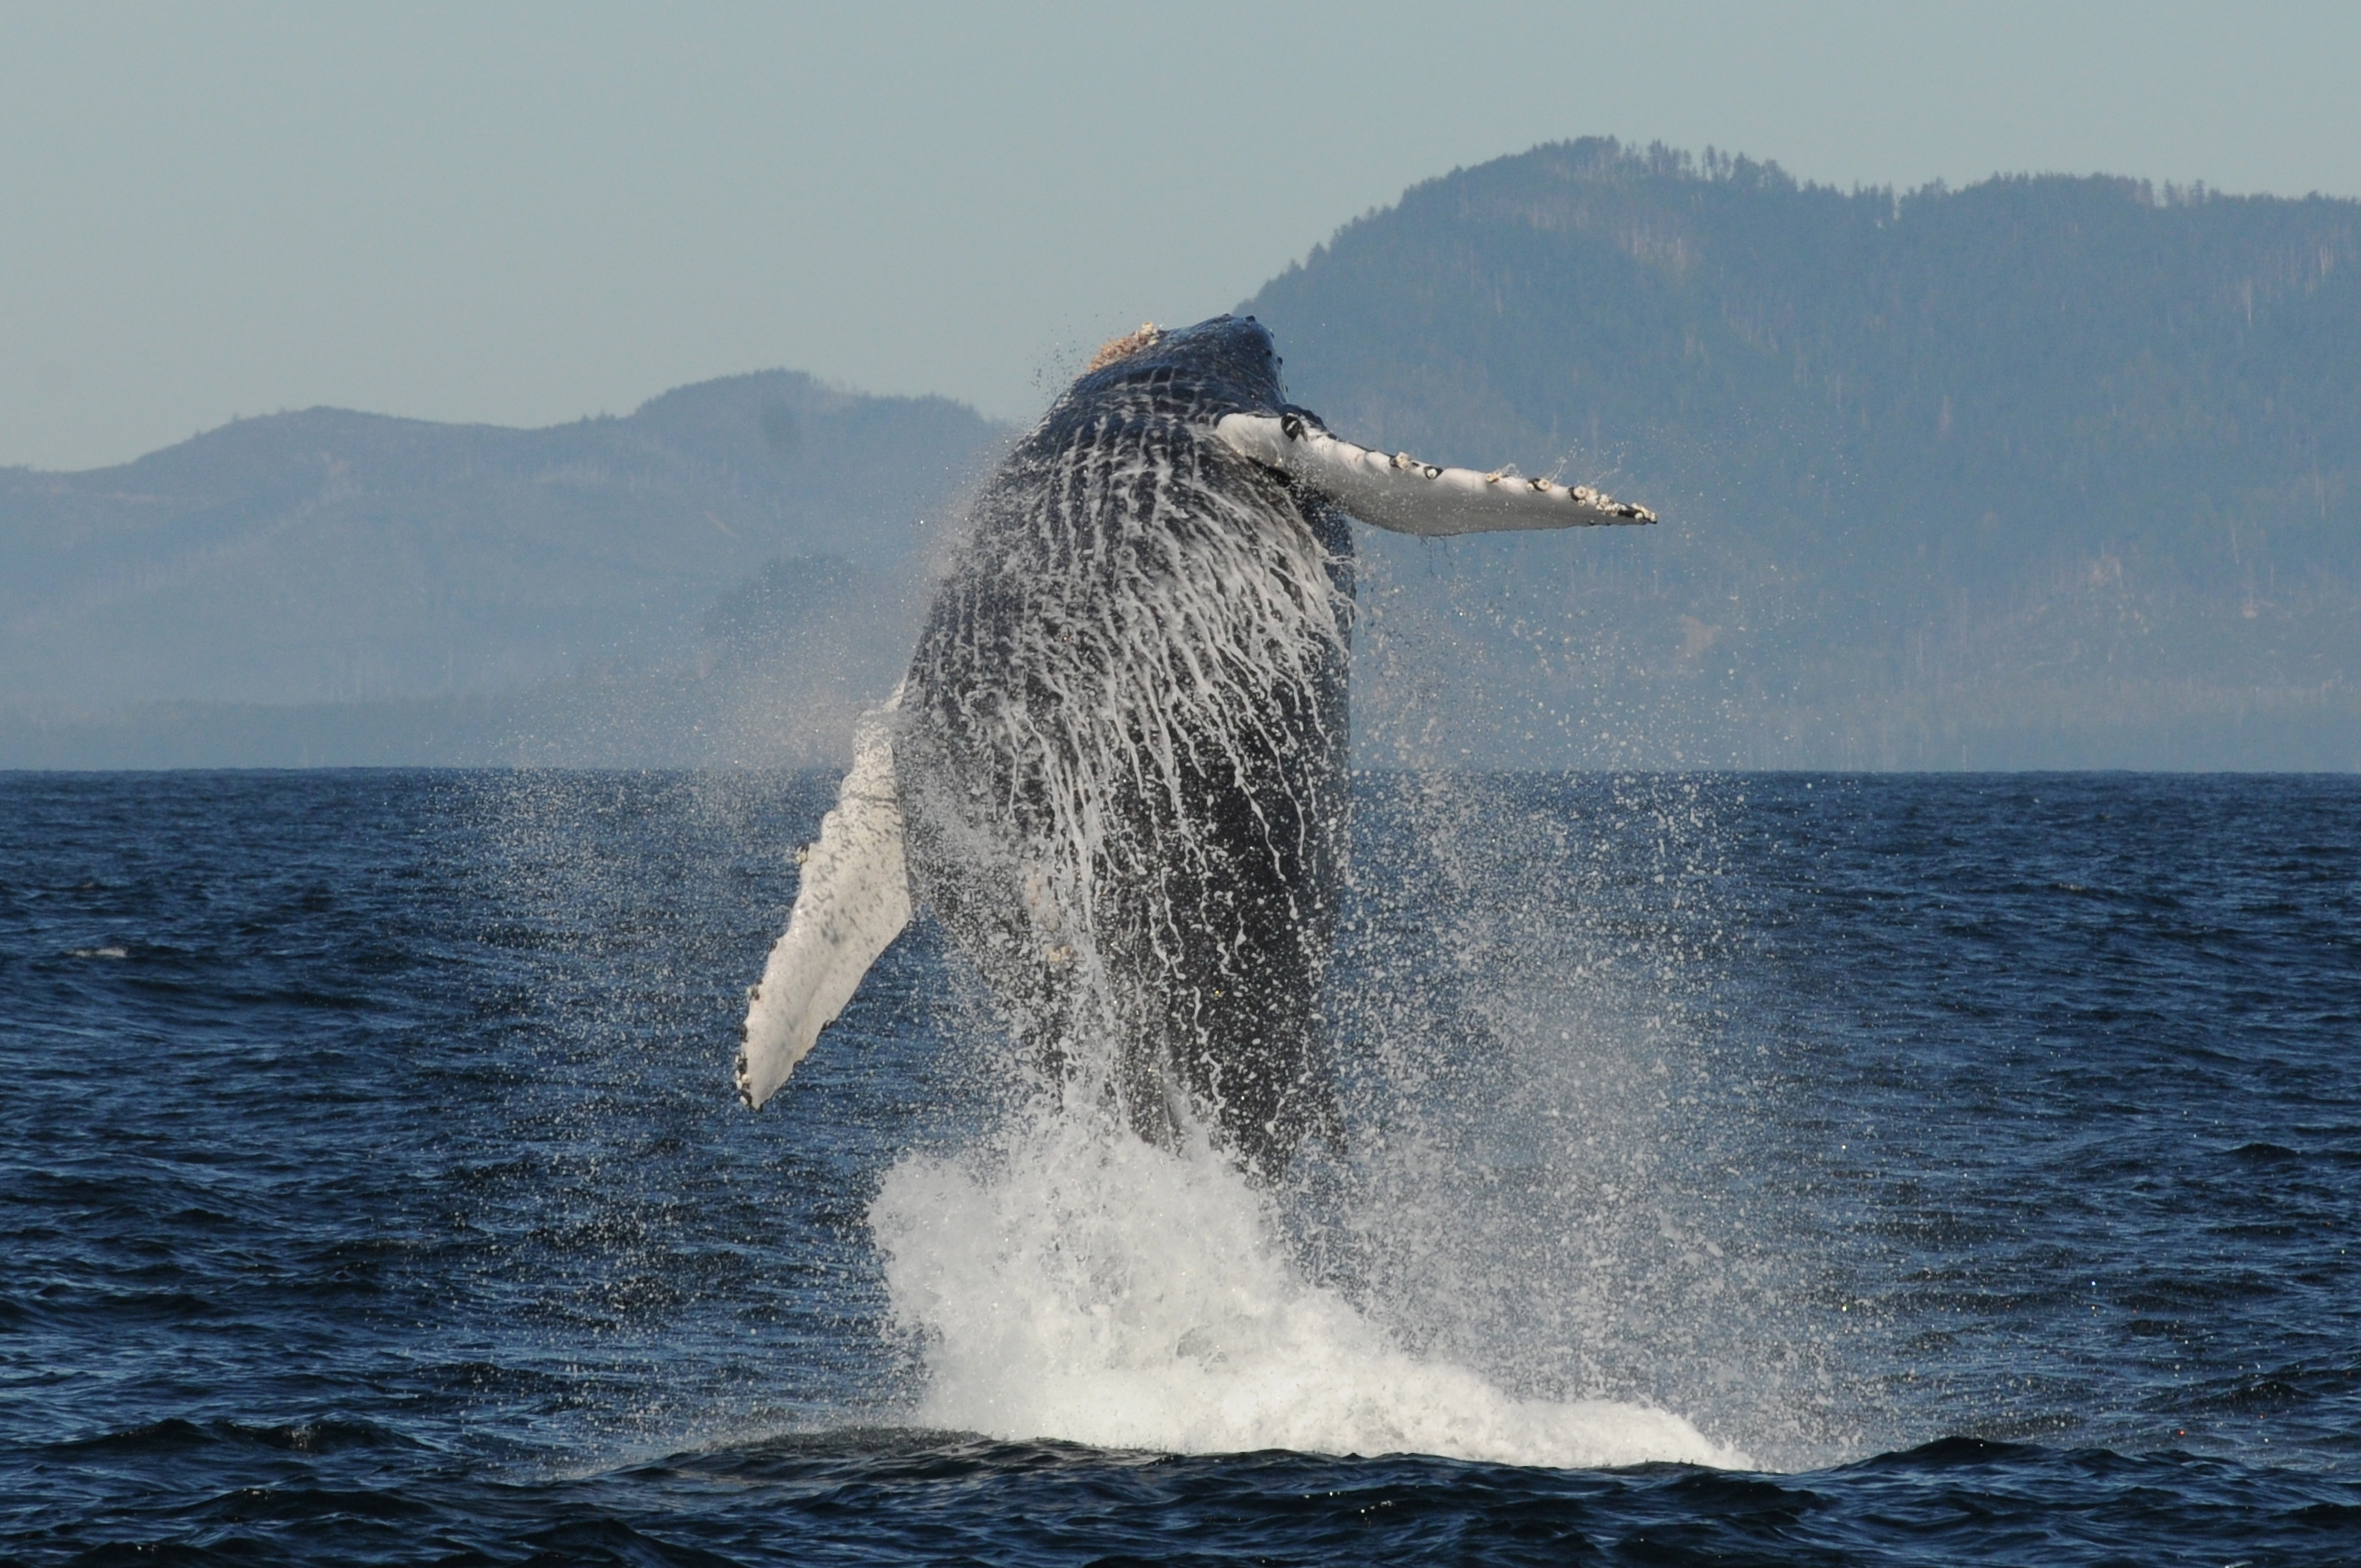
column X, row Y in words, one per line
column 1072, row 1283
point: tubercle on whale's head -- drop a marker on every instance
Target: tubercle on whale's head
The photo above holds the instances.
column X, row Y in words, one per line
column 1231, row 358
column 1123, row 348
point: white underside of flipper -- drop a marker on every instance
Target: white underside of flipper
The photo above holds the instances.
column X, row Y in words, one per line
column 854, row 900
column 1410, row 497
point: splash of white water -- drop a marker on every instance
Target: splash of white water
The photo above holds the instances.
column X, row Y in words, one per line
column 1090, row 1287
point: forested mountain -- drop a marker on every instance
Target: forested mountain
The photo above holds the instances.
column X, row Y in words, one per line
column 2046, row 470
column 336, row 586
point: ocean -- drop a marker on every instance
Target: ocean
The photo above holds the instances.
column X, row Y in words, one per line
column 1776, row 1168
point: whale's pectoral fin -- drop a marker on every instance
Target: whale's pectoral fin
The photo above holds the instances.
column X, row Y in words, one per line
column 1410, row 497
column 854, row 900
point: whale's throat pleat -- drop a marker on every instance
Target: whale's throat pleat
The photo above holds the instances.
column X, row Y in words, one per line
column 1124, row 768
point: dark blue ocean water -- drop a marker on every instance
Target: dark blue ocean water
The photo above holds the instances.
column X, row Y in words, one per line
column 1982, row 1156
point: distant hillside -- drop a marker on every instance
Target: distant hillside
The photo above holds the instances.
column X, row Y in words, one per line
column 2047, row 471
column 328, row 587
column 328, row 556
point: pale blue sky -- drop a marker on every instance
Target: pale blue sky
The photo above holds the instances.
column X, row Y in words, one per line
column 526, row 212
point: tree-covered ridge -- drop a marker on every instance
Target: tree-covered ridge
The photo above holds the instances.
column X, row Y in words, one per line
column 1891, row 419
column 2087, row 327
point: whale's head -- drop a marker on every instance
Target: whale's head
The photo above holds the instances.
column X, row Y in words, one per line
column 1218, row 381
column 1228, row 365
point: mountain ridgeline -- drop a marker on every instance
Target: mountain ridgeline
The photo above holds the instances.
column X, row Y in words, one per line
column 2047, row 471
column 336, row 587
column 2043, row 471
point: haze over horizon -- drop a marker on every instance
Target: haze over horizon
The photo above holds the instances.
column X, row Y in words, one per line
column 526, row 216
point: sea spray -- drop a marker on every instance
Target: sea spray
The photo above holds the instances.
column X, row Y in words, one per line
column 1071, row 1281
column 1563, row 1172
column 1536, row 1238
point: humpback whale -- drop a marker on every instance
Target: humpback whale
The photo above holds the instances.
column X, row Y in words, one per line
column 1116, row 767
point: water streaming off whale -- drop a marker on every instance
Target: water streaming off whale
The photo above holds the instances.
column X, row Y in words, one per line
column 1116, row 768
column 1116, row 773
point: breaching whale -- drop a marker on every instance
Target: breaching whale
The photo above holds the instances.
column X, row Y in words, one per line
column 1116, row 766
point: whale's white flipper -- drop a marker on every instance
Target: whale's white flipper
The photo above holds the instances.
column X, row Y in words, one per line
column 854, row 900
column 1410, row 497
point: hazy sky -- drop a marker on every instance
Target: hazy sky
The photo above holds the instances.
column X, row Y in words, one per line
column 523, row 214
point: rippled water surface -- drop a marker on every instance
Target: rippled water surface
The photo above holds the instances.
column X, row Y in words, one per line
column 1762, row 1169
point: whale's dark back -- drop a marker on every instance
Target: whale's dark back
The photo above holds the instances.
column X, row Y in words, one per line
column 1122, row 753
